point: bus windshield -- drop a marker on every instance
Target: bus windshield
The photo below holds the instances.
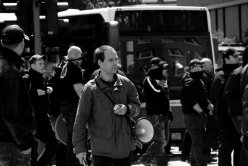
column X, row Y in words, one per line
column 166, row 21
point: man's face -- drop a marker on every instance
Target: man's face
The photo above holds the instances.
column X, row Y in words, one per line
column 165, row 72
column 208, row 67
column 76, row 58
column 39, row 66
column 110, row 63
column 233, row 59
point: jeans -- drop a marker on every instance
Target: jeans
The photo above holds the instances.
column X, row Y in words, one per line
column 106, row 161
column 69, row 112
column 196, row 128
column 229, row 141
column 156, row 149
column 186, row 146
column 46, row 135
column 244, row 152
column 211, row 134
column 10, row 155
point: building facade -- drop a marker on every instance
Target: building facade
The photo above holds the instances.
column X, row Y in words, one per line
column 227, row 16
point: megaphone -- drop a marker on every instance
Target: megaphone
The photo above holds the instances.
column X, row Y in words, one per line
column 143, row 130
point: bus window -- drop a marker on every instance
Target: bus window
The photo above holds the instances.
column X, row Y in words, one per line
column 180, row 21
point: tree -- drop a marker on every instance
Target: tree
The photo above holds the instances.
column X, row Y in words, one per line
column 91, row 4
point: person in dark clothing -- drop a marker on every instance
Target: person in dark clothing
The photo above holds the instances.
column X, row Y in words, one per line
column 229, row 137
column 211, row 133
column 71, row 85
column 164, row 82
column 16, row 113
column 157, row 108
column 244, row 122
column 39, row 92
column 233, row 95
column 186, row 144
column 196, row 107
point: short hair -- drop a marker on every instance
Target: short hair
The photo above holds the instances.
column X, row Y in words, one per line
column 74, row 53
column 229, row 52
column 99, row 53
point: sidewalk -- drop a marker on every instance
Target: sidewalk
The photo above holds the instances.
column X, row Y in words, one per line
column 175, row 160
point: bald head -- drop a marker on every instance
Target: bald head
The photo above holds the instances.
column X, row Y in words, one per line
column 74, row 53
column 207, row 65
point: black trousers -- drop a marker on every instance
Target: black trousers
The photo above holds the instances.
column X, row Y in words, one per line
column 106, row 161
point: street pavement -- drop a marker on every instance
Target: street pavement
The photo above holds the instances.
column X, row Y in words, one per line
column 175, row 160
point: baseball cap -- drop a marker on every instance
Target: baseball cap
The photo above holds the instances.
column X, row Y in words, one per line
column 163, row 64
column 13, row 34
column 230, row 52
column 195, row 62
column 154, row 61
column 35, row 58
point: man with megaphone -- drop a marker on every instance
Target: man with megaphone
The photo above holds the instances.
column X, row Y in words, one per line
column 157, row 107
column 106, row 105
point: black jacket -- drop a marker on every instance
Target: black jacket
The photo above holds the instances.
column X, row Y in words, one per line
column 157, row 101
column 233, row 93
column 34, row 81
column 193, row 92
column 16, row 117
column 223, row 118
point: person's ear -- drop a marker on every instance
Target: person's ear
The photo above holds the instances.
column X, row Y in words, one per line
column 99, row 62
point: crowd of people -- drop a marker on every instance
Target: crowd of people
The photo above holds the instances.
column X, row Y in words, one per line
column 213, row 106
column 98, row 112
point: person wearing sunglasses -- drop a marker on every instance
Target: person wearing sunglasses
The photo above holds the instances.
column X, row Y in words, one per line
column 229, row 136
column 196, row 107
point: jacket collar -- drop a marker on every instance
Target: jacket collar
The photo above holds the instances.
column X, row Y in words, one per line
column 12, row 57
column 104, row 87
column 34, row 73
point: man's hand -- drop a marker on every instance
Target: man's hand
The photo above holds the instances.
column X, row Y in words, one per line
column 82, row 158
column 28, row 151
column 120, row 109
column 41, row 92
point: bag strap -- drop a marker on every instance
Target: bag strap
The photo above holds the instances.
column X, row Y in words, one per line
column 112, row 101
column 104, row 92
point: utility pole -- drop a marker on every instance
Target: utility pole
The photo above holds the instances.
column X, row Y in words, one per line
column 36, row 22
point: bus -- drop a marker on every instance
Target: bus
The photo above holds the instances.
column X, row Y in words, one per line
column 176, row 34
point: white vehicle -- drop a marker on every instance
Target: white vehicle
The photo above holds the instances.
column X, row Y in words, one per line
column 176, row 34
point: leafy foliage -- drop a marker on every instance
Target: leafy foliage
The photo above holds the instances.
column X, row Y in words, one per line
column 92, row 4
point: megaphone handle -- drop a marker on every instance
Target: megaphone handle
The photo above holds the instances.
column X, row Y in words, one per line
column 132, row 119
column 139, row 144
